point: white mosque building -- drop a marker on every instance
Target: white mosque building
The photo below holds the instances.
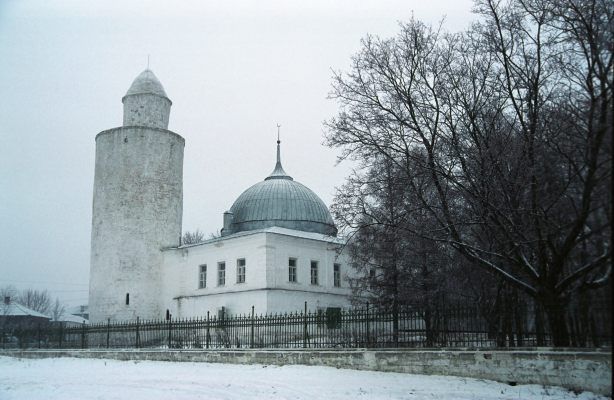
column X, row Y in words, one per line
column 278, row 247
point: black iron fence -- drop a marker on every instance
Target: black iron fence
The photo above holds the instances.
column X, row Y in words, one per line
column 462, row 326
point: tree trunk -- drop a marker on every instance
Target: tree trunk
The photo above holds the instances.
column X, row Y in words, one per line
column 555, row 312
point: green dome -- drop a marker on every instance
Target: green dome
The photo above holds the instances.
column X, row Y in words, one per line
column 280, row 201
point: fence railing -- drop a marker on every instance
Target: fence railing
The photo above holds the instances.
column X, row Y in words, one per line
column 462, row 326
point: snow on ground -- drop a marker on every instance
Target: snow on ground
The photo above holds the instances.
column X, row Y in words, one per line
column 84, row 379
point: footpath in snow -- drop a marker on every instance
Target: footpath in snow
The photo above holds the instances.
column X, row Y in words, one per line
column 84, row 379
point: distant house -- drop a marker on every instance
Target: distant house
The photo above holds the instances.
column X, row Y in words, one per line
column 79, row 311
column 70, row 320
column 15, row 315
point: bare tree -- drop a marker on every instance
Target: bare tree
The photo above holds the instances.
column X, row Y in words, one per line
column 58, row 310
column 193, row 237
column 501, row 133
column 37, row 300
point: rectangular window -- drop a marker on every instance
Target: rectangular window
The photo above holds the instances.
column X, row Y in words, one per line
column 314, row 272
column 202, row 277
column 371, row 278
column 221, row 273
column 337, row 275
column 241, row 270
column 292, row 270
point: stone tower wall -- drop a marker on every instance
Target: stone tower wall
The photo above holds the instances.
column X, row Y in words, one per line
column 146, row 110
column 137, row 211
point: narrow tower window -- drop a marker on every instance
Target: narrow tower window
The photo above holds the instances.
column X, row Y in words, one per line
column 127, row 299
column 372, row 278
column 202, row 277
column 221, row 273
column 314, row 272
column 241, row 270
column 337, row 275
column 292, row 270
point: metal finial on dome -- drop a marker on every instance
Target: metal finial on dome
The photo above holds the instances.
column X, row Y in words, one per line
column 278, row 172
column 278, row 126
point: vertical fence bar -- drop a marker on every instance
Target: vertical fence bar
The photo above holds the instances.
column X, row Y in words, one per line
column 138, row 339
column 207, row 337
column 251, row 335
column 83, row 335
column 368, row 327
column 61, row 335
column 108, row 331
column 170, row 332
column 305, row 327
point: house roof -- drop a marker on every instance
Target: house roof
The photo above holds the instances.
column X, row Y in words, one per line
column 71, row 318
column 275, row 230
column 15, row 309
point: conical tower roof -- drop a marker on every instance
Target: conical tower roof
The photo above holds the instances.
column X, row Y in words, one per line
column 147, row 83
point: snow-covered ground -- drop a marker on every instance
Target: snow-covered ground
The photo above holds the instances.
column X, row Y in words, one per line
column 83, row 379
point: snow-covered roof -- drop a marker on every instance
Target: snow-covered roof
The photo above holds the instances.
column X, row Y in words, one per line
column 275, row 229
column 71, row 318
column 15, row 309
column 77, row 309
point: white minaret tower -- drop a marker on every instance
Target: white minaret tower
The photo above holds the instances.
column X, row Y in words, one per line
column 137, row 207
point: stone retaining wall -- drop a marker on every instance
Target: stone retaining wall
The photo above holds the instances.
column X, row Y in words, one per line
column 569, row 368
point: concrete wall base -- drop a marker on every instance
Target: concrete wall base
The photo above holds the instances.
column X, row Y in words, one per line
column 580, row 370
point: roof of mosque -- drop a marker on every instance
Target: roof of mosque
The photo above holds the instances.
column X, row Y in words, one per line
column 146, row 83
column 281, row 201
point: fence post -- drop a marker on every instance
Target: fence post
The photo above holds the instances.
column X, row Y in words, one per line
column 170, row 332
column 208, row 337
column 108, row 330
column 61, row 334
column 83, row 335
column 138, row 344
column 305, row 327
column 251, row 338
column 368, row 333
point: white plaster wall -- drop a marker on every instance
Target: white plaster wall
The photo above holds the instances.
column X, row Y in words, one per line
column 283, row 247
column 266, row 286
column 181, row 293
column 146, row 109
column 281, row 301
column 137, row 210
column 236, row 303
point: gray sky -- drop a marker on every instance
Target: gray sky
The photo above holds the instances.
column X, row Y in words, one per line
column 233, row 69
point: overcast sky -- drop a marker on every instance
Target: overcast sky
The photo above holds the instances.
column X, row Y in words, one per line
column 233, row 70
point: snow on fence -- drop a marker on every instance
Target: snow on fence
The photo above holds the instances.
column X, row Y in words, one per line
column 462, row 326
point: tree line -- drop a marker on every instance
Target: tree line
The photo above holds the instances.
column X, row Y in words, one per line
column 484, row 159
